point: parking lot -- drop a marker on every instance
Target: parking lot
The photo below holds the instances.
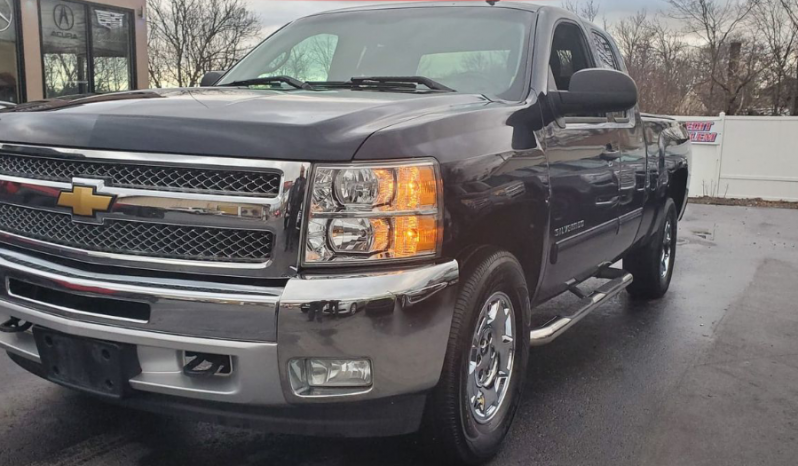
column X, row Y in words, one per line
column 708, row 375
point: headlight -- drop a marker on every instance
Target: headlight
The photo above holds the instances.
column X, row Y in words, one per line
column 368, row 212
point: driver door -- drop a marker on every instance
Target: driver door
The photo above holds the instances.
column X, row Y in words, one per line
column 584, row 164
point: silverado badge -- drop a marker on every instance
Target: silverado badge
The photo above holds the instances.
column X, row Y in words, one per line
column 84, row 201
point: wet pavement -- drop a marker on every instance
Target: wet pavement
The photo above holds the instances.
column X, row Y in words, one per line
column 706, row 376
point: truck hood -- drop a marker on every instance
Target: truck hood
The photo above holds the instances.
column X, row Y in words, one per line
column 282, row 125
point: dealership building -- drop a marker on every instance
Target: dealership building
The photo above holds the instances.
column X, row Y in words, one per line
column 51, row 48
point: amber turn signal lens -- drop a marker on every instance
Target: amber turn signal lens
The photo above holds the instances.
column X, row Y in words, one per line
column 417, row 188
column 415, row 235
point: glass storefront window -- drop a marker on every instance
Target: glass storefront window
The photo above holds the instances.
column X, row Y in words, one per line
column 64, row 48
column 111, row 50
column 71, row 64
column 9, row 52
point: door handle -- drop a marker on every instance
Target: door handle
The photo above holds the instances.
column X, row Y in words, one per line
column 613, row 201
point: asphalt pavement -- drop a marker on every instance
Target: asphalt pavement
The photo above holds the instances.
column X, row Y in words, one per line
column 706, row 376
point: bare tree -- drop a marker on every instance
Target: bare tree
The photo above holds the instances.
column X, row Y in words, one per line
column 778, row 36
column 737, row 56
column 660, row 61
column 587, row 9
column 744, row 61
column 791, row 9
column 633, row 36
column 715, row 22
column 188, row 38
column 676, row 75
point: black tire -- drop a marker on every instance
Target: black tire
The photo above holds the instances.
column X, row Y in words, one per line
column 651, row 279
column 451, row 431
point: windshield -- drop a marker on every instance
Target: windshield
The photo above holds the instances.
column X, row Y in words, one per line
column 470, row 50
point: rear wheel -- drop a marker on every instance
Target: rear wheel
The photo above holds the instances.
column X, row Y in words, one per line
column 471, row 409
column 652, row 265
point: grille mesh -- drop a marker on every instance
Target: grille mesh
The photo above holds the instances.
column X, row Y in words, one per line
column 228, row 182
column 139, row 239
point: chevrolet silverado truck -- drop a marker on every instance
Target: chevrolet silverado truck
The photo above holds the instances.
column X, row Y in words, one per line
column 347, row 233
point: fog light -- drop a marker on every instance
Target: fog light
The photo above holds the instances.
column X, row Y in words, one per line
column 339, row 373
column 309, row 374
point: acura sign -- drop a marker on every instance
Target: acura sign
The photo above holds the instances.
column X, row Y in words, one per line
column 63, row 17
column 63, row 27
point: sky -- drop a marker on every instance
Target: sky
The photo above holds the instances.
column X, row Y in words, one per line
column 275, row 13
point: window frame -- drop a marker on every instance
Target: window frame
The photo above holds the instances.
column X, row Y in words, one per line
column 618, row 66
column 19, row 49
column 88, row 7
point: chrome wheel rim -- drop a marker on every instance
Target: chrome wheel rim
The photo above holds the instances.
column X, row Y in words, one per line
column 667, row 250
column 491, row 358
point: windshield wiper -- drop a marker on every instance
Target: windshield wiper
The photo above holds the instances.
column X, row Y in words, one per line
column 385, row 82
column 271, row 80
column 389, row 80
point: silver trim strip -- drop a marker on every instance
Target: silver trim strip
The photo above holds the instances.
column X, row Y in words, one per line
column 371, row 214
column 202, row 309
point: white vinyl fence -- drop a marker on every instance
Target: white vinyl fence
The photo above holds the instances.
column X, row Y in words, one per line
column 744, row 157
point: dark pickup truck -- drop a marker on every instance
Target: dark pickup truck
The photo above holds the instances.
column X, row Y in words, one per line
column 347, row 233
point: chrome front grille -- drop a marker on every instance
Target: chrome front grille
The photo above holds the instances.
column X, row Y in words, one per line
column 176, row 213
column 145, row 177
column 139, row 239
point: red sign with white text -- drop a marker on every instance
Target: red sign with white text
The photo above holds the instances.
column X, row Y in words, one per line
column 703, row 132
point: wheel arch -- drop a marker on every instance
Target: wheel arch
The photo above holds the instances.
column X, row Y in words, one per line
column 505, row 234
column 678, row 190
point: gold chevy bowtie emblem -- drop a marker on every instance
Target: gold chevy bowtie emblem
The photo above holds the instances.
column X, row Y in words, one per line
column 84, row 202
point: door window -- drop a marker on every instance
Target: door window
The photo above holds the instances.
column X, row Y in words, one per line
column 568, row 55
column 606, row 56
column 9, row 52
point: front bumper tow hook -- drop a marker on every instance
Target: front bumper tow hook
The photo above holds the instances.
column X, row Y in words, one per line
column 14, row 325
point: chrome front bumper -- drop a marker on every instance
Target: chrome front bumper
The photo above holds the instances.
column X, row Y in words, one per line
column 400, row 320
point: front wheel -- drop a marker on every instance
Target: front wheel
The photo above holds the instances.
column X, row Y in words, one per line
column 652, row 264
column 472, row 408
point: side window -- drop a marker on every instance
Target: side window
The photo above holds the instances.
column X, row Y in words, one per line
column 609, row 59
column 568, row 54
column 309, row 60
column 606, row 56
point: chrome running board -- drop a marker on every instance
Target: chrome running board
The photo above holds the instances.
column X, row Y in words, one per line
column 618, row 281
